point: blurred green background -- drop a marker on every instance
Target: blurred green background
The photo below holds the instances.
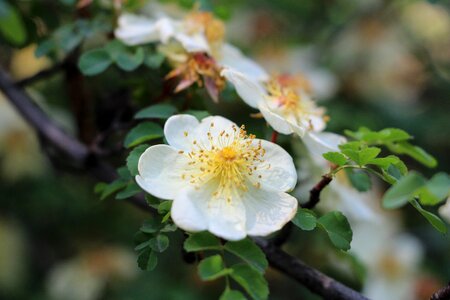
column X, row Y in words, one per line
column 372, row 63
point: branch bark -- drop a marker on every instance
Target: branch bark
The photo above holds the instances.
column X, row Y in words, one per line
column 442, row 294
column 311, row 278
column 314, row 193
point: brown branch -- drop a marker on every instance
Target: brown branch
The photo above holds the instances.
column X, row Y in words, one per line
column 313, row 279
column 42, row 74
column 442, row 294
column 314, row 193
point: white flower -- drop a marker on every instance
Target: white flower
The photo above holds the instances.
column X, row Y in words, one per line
column 392, row 259
column 319, row 82
column 220, row 179
column 287, row 108
column 339, row 194
column 136, row 30
column 444, row 211
column 197, row 32
column 20, row 154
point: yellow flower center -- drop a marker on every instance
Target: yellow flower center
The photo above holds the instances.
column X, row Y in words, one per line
column 231, row 159
column 284, row 93
column 198, row 68
column 390, row 266
column 205, row 22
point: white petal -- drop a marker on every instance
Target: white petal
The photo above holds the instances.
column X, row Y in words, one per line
column 278, row 171
column 278, row 122
column 267, row 211
column 135, row 30
column 193, row 43
column 233, row 58
column 251, row 91
column 218, row 123
column 355, row 205
column 166, row 29
column 189, row 210
column 319, row 143
column 196, row 210
column 317, row 122
column 160, row 168
column 444, row 211
column 176, row 128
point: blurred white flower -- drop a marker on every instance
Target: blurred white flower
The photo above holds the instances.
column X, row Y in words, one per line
column 444, row 210
column 285, row 105
column 12, row 257
column 25, row 64
column 193, row 45
column 392, row 260
column 339, row 195
column 320, row 82
column 20, row 154
column 427, row 21
column 376, row 61
column 221, row 179
column 85, row 277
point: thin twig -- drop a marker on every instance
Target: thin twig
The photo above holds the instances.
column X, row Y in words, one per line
column 42, row 74
column 314, row 280
column 314, row 193
column 442, row 294
column 311, row 278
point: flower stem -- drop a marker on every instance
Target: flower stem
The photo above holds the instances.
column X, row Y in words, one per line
column 274, row 137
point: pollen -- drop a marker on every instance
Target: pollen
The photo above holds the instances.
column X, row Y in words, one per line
column 228, row 159
column 288, row 95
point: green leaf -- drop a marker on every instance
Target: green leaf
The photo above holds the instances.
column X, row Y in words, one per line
column 212, row 268
column 247, row 250
column 151, row 225
column 152, row 201
column 305, row 219
column 401, row 192
column 131, row 190
column 435, row 190
column 143, row 132
column 130, row 61
column 432, row 218
column 199, row 114
column 200, row 241
column 114, row 48
column 94, row 62
column 67, row 37
column 384, row 162
column 142, row 246
column 157, row 111
column 159, row 243
column 100, row 187
column 415, row 152
column 338, row 229
column 124, row 173
column 232, row 295
column 380, row 137
column 251, row 280
column 368, row 154
column 133, row 158
column 112, row 188
column 12, row 27
column 336, row 158
column 359, row 180
column 147, row 260
column 169, row 228
column 164, row 207
column 44, row 47
column 154, row 60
